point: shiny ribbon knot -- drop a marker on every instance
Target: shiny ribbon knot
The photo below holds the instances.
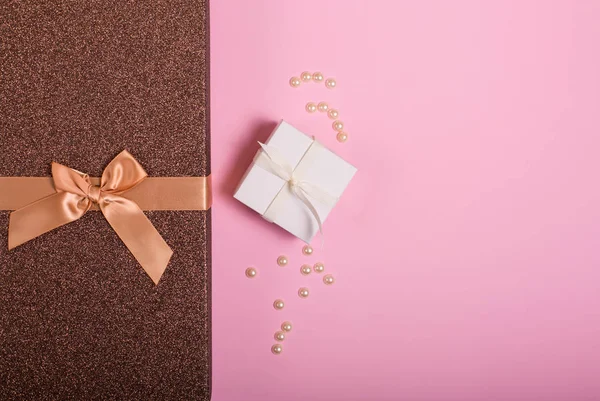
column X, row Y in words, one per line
column 276, row 164
column 93, row 192
column 75, row 194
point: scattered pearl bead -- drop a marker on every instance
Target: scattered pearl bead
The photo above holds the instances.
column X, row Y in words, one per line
column 307, row 250
column 295, row 82
column 328, row 279
column 251, row 272
column 323, row 107
column 305, row 270
column 319, row 267
column 276, row 349
column 311, row 107
column 286, row 326
column 280, row 336
column 338, row 125
column 330, row 83
column 306, row 76
column 282, row 260
column 333, row 113
column 303, row 292
column 342, row 136
column 278, row 304
column 317, row 77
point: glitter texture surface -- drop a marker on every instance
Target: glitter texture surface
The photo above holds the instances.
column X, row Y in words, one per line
column 79, row 82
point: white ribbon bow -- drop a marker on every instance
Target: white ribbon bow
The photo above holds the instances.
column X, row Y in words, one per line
column 276, row 164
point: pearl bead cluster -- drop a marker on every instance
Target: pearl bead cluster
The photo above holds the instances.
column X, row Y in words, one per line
column 279, row 336
column 303, row 292
column 315, row 77
column 333, row 114
column 323, row 107
column 318, row 268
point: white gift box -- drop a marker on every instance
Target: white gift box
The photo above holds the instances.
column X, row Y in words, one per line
column 294, row 181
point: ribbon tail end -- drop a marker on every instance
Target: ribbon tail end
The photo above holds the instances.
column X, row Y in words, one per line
column 15, row 236
column 11, row 243
column 16, row 242
column 161, row 265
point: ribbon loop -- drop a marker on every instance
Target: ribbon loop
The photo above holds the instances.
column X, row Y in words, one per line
column 122, row 174
column 68, row 180
column 73, row 198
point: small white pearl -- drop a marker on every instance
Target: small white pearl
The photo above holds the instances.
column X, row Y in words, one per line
column 282, row 260
column 342, row 136
column 323, row 107
column 338, row 125
column 333, row 113
column 303, row 292
column 305, row 270
column 295, row 82
column 251, row 272
column 286, row 326
column 306, row 76
column 277, row 349
column 319, row 267
column 330, row 83
column 328, row 279
column 307, row 250
column 278, row 304
column 317, row 77
column 311, row 107
column 280, row 336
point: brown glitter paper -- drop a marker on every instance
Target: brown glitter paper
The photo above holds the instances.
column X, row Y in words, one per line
column 79, row 82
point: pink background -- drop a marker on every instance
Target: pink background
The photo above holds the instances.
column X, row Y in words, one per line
column 466, row 250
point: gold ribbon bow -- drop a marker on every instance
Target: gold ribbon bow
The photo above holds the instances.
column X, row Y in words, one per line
column 75, row 194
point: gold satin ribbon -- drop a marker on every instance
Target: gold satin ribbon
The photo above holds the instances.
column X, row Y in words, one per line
column 154, row 193
column 40, row 207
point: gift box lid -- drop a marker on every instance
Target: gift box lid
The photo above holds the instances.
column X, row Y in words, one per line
column 269, row 195
column 80, row 81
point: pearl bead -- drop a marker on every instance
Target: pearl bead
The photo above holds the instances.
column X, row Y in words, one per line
column 295, row 82
column 286, row 326
column 323, row 107
column 333, row 113
column 276, row 349
column 307, row 250
column 330, row 83
column 278, row 304
column 306, row 76
column 338, row 125
column 305, row 270
column 328, row 279
column 280, row 336
column 342, row 136
column 282, row 260
column 303, row 292
column 317, row 77
column 311, row 107
column 319, row 267
column 251, row 272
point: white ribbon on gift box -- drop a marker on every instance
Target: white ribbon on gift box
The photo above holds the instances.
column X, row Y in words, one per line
column 276, row 164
